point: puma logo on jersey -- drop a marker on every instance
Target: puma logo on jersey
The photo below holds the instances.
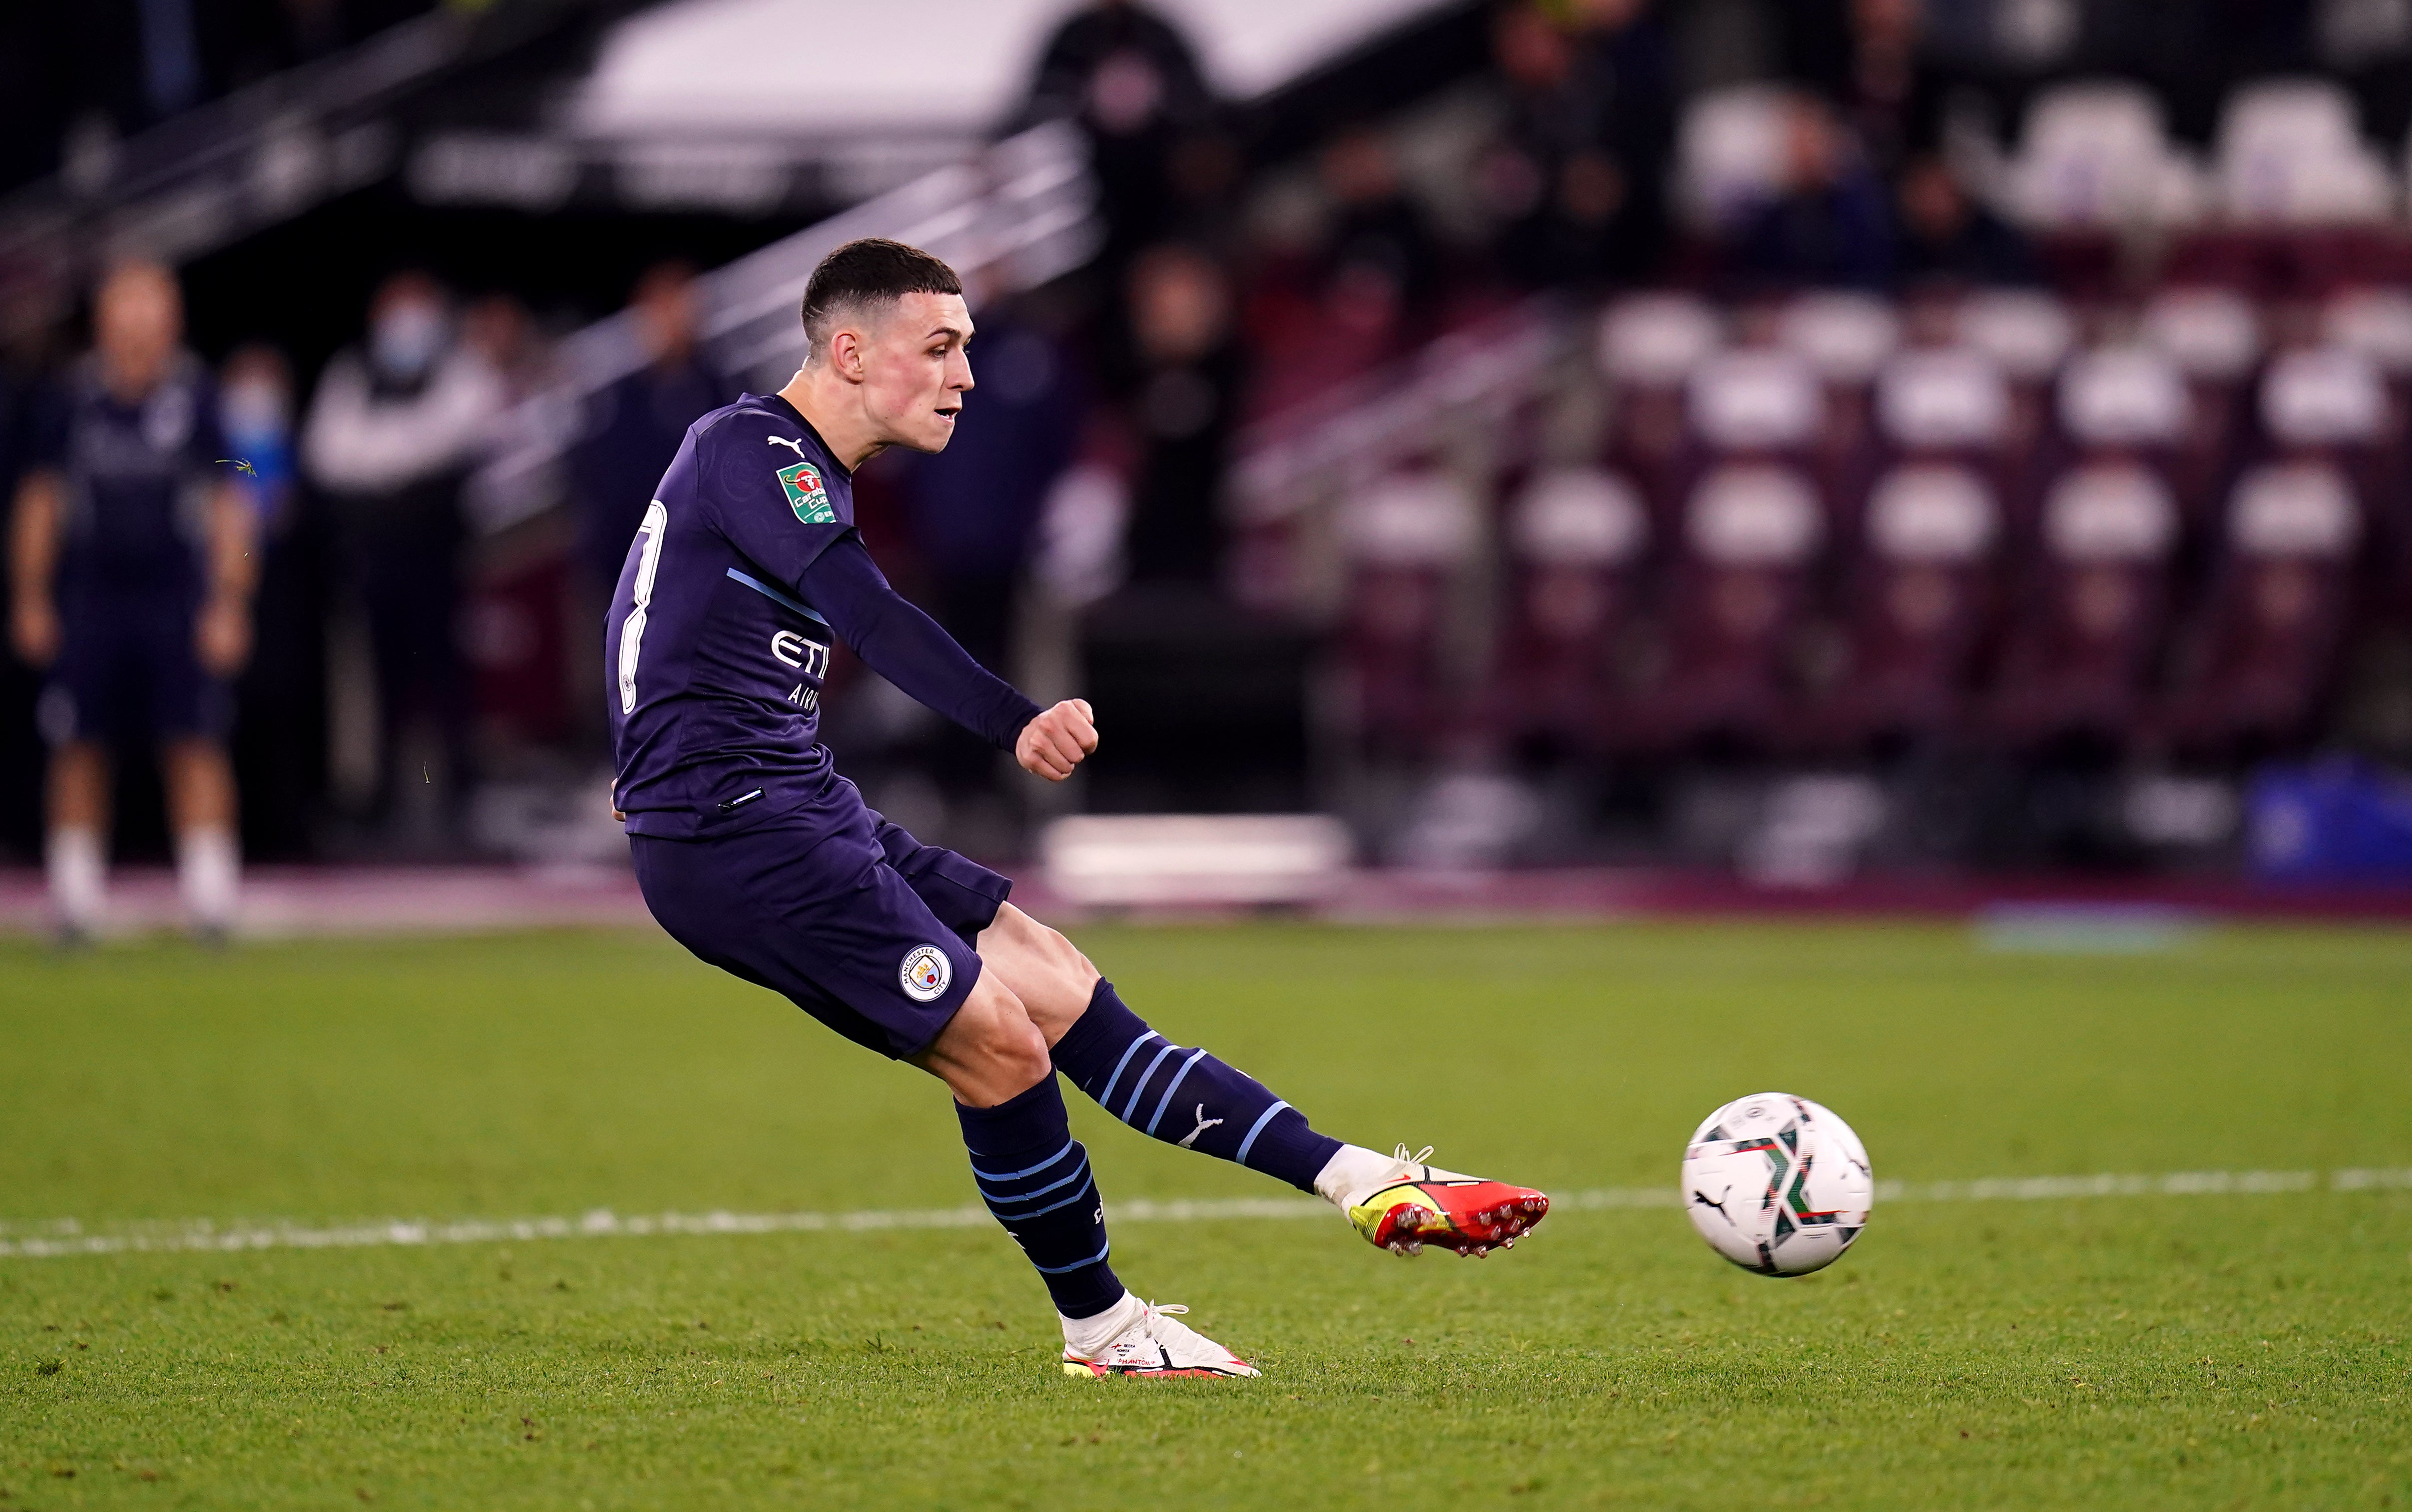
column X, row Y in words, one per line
column 797, row 446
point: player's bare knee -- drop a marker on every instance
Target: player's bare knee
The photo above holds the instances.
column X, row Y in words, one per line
column 993, row 1031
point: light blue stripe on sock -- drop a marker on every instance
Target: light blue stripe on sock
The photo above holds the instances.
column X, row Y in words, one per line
column 1026, row 1170
column 1250, row 1142
column 991, row 1198
column 1059, row 1270
column 1141, row 1085
column 1082, row 1195
column 1128, row 1053
column 1166, row 1101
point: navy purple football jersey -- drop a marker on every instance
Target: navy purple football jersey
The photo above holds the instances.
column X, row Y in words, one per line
column 714, row 663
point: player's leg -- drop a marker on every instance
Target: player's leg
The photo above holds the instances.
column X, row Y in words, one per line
column 823, row 918
column 76, row 849
column 1036, row 1179
column 199, row 780
column 1186, row 1097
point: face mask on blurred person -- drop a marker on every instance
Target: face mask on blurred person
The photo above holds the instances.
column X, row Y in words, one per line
column 407, row 339
column 255, row 412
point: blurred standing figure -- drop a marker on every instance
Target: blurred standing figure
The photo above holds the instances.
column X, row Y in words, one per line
column 1577, row 176
column 279, row 741
column 633, row 428
column 131, row 559
column 1132, row 85
column 393, row 432
column 1831, row 226
column 1183, row 376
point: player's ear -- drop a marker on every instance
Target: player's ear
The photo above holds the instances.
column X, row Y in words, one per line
column 846, row 353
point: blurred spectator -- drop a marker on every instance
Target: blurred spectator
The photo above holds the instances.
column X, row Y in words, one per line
column 1829, row 227
column 1182, row 375
column 1381, row 269
column 972, row 508
column 278, row 736
column 1578, row 174
column 633, row 428
column 1867, row 59
column 1132, row 84
column 131, row 566
column 255, row 415
column 1949, row 237
column 392, row 431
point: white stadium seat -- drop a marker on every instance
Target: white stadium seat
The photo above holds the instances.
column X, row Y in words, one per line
column 1655, row 341
column 2123, row 396
column 1939, row 399
column 2212, row 334
column 1578, row 517
column 1757, row 400
column 2096, row 154
column 2289, row 154
column 1844, row 336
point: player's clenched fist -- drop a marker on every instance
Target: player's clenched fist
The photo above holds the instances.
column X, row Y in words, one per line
column 1054, row 743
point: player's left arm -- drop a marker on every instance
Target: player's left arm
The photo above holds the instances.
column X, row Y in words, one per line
column 914, row 652
column 221, row 631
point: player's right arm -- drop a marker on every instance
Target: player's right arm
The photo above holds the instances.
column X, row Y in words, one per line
column 33, row 566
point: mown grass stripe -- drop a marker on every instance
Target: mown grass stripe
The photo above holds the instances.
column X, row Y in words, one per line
column 68, row 1236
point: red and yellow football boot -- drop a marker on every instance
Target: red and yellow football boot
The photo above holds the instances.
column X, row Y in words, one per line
column 1420, row 1205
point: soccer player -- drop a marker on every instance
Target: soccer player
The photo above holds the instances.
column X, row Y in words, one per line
column 131, row 559
column 760, row 859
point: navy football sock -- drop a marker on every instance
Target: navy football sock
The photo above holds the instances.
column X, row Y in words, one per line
column 1186, row 1096
column 1034, row 1177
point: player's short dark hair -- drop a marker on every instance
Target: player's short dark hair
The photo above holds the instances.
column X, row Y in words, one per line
column 870, row 271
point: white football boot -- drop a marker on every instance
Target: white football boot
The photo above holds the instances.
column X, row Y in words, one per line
column 1153, row 1343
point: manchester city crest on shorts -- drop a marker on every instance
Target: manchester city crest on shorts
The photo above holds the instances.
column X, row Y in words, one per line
column 926, row 973
column 805, row 494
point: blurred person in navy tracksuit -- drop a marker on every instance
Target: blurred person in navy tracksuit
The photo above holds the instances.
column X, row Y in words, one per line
column 131, row 569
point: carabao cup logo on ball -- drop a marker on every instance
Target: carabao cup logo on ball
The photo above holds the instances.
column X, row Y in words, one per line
column 925, row 972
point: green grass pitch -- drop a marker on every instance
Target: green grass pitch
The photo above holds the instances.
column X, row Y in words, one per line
column 2196, row 1351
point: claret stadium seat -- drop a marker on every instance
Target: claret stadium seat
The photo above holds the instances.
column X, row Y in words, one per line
column 2029, row 334
column 2251, row 669
column 2213, row 336
column 1577, row 538
column 1649, row 347
column 2125, row 404
column 1919, row 595
column 2087, row 621
column 1950, row 404
column 1845, row 338
column 2331, row 404
column 1406, row 539
column 1741, row 582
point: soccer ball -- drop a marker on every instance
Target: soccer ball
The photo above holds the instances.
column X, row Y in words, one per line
column 1777, row 1185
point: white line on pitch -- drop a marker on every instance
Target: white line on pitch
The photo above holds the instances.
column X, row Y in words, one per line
column 68, row 1236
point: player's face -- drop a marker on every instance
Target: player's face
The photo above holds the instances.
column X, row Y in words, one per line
column 917, row 369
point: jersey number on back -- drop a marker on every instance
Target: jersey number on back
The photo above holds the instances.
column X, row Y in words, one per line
column 632, row 632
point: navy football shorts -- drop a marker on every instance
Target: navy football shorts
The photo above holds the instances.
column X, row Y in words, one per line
column 127, row 672
column 864, row 928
